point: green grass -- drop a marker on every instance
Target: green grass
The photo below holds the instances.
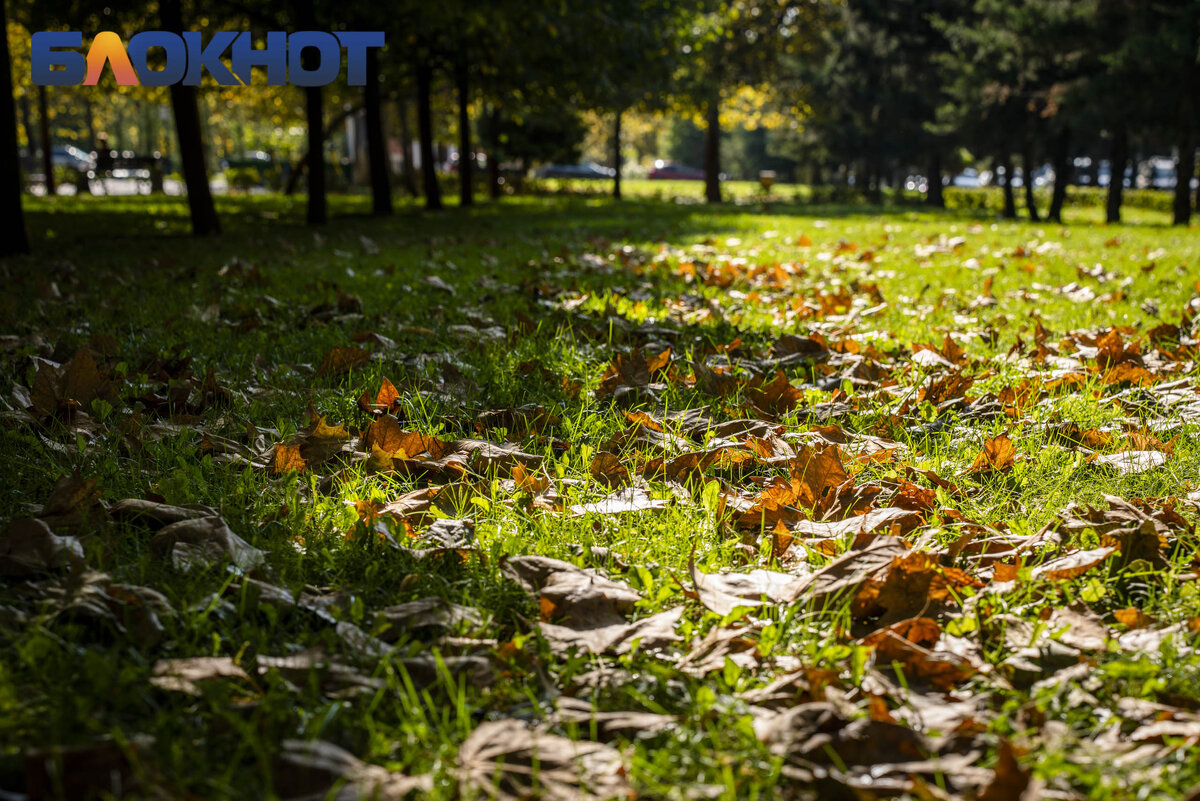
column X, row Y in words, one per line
column 571, row 281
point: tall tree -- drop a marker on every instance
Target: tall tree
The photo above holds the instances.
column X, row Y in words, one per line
column 317, row 211
column 381, row 188
column 735, row 44
column 429, row 179
column 191, row 144
column 466, row 156
column 16, row 240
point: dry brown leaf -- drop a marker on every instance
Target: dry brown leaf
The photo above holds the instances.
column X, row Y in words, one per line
column 1073, row 564
column 203, row 541
column 30, row 547
column 1134, row 618
column 287, row 458
column 576, row 596
column 615, row 639
column 189, row 675
column 528, row 480
column 998, row 455
column 608, row 470
column 911, row 644
column 916, row 585
column 1011, row 782
column 309, row 770
column 507, row 761
column 385, row 399
column 723, row 592
column 342, row 359
column 630, row 499
column 1130, row 462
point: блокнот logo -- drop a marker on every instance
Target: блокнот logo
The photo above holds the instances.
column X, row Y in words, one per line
column 57, row 61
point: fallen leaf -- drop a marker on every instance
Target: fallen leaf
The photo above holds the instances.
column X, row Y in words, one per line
column 630, row 499
column 311, row 769
column 508, row 761
column 30, row 547
column 1130, row 462
column 723, row 592
column 1072, row 565
column 189, row 675
column 998, row 455
column 205, row 540
column 342, row 359
column 575, row 596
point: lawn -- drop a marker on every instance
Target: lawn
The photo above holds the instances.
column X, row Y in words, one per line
column 567, row 498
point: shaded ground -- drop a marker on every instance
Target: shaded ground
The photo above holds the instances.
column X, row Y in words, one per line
column 827, row 488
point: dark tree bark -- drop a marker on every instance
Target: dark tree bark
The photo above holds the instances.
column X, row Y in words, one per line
column 15, row 240
column 408, row 175
column 1027, row 167
column 91, row 122
column 433, row 193
column 466, row 160
column 1185, row 165
column 712, row 151
column 934, row 197
column 493, row 161
column 1062, row 171
column 314, row 113
column 47, row 153
column 381, row 188
column 27, row 122
column 1010, row 200
column 616, row 144
column 1118, row 158
column 191, row 144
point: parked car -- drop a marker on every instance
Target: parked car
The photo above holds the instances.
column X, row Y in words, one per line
column 672, row 171
column 73, row 157
column 1156, row 172
column 969, row 177
column 588, row 171
column 67, row 156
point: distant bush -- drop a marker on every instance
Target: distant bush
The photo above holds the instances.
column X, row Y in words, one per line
column 991, row 198
column 242, row 178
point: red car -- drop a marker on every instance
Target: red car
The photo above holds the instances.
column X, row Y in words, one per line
column 669, row 170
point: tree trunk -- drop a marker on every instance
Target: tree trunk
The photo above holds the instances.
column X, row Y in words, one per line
column 91, row 123
column 191, row 145
column 1062, row 171
column 314, row 112
column 408, row 175
column 616, row 189
column 1027, row 167
column 1118, row 158
column 381, row 189
column 47, row 153
column 1010, row 200
column 1185, row 165
column 314, row 109
column 433, row 193
column 466, row 177
column 27, row 123
column 493, row 161
column 934, row 197
column 15, row 241
column 712, row 151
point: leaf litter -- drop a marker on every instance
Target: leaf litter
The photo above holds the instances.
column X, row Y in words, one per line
column 875, row 601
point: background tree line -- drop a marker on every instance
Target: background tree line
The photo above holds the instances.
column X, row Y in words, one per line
column 869, row 91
